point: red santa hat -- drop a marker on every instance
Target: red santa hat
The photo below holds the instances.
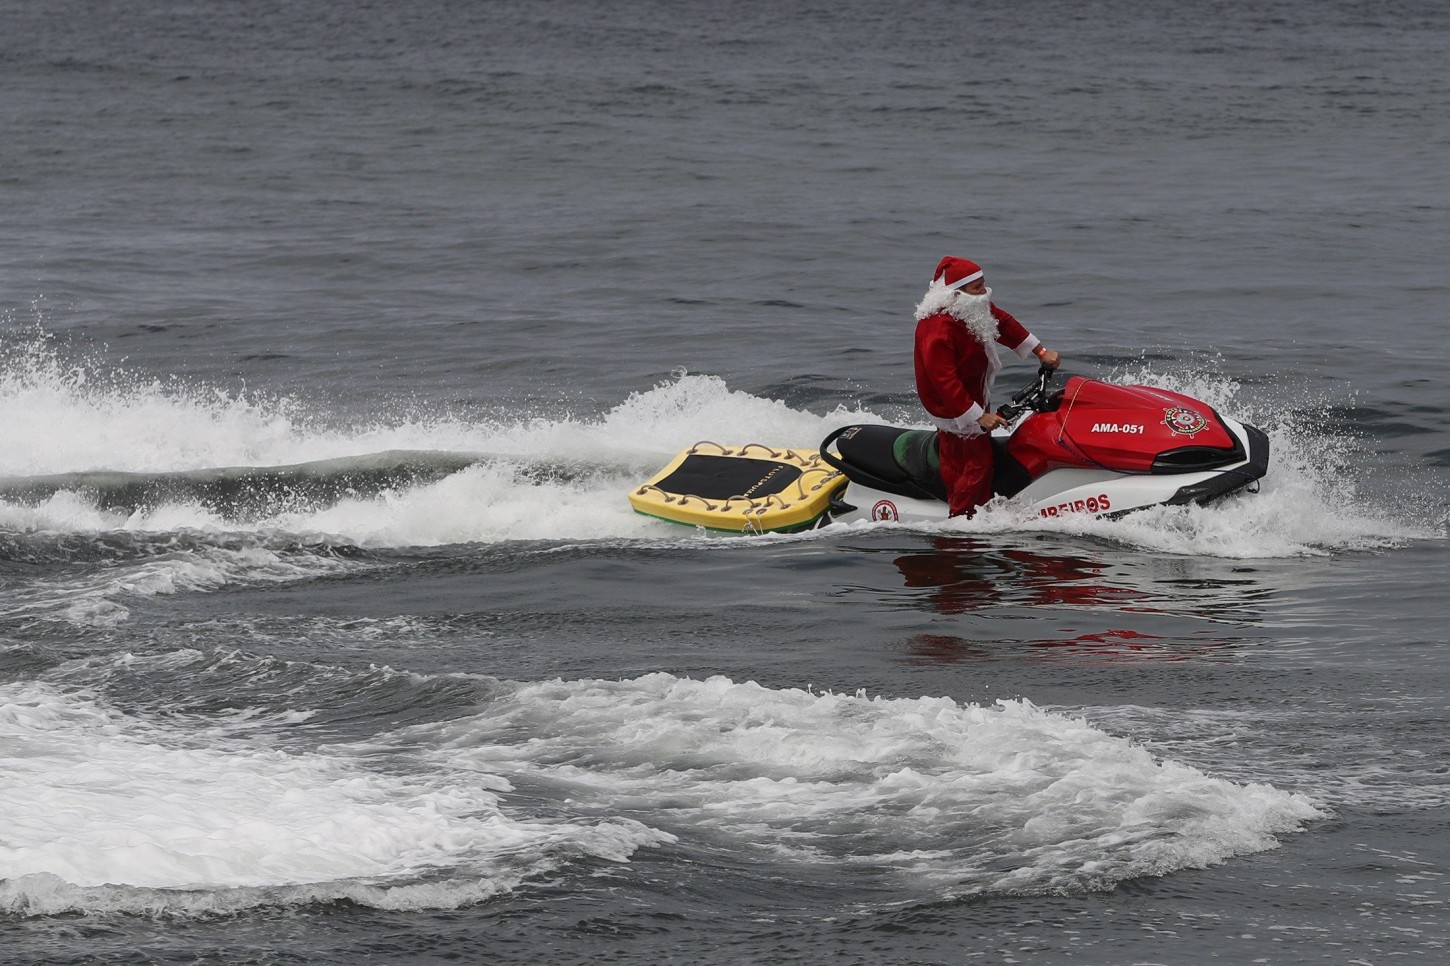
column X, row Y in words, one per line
column 956, row 272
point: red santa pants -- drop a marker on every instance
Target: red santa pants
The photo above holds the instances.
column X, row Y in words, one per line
column 966, row 469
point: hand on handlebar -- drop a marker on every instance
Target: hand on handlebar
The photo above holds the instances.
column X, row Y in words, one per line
column 1050, row 359
column 990, row 421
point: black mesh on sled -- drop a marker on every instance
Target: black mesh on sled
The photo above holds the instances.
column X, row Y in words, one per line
column 721, row 477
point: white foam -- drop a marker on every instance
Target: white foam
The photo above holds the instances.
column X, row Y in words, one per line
column 969, row 799
column 99, row 597
column 1332, row 750
column 104, row 811
column 483, row 504
column 500, row 500
column 56, row 417
column 59, row 415
column 662, row 421
column 1310, row 502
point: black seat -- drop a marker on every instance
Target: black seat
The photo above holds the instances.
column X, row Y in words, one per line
column 874, row 456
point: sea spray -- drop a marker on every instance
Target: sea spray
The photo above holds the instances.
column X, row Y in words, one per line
column 57, row 416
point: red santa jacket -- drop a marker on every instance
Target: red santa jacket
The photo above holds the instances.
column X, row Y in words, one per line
column 954, row 370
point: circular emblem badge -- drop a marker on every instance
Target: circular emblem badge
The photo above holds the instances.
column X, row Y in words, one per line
column 1183, row 421
column 885, row 510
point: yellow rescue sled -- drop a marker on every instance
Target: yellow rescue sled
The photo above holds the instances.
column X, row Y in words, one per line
column 747, row 489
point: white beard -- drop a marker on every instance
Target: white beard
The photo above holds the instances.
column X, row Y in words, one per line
column 973, row 311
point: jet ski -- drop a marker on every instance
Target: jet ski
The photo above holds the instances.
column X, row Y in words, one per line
column 1090, row 448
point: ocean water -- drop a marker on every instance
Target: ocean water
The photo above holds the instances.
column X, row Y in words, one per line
column 466, row 705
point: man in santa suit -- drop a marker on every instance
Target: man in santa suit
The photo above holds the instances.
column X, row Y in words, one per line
column 956, row 363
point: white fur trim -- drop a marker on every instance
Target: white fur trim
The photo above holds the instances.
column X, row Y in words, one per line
column 966, row 281
column 1024, row 351
column 964, row 425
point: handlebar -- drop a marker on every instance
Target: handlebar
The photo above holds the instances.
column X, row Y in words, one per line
column 1033, row 396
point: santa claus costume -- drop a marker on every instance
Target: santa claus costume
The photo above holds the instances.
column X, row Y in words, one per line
column 957, row 334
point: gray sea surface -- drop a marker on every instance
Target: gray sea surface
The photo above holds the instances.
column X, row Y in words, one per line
column 481, row 268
